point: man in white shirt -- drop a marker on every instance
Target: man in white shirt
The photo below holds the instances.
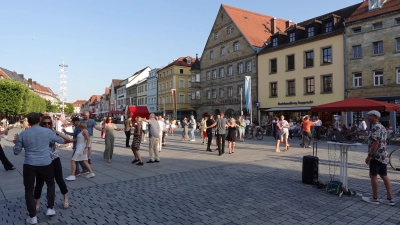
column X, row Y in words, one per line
column 318, row 124
column 247, row 121
column 162, row 135
column 193, row 123
column 363, row 125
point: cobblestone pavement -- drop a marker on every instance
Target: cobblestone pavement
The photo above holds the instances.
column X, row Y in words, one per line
column 254, row 185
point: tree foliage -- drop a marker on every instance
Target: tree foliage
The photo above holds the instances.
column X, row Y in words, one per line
column 17, row 99
column 69, row 108
column 50, row 107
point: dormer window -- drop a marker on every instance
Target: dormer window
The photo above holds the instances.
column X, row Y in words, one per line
column 310, row 32
column 189, row 61
column 328, row 27
column 375, row 4
column 292, row 37
column 274, row 42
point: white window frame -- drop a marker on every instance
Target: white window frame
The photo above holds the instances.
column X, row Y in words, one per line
column 222, row 72
column 357, row 51
column 379, row 47
column 181, row 98
column 357, row 79
column 216, row 36
column 214, row 93
column 189, row 61
column 198, row 94
column 240, row 68
column 197, row 77
column 222, row 51
column 230, row 70
column 208, row 75
column 181, row 83
column 211, row 54
column 249, row 66
column 214, row 74
column 230, row 91
column 236, row 46
column 274, row 42
column 398, row 75
column 397, row 44
column 189, row 83
column 193, row 78
column 221, row 92
column 209, row 94
column 229, row 30
column 193, row 95
column 379, row 76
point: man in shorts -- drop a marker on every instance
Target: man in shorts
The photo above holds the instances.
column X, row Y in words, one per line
column 377, row 160
column 90, row 124
column 283, row 126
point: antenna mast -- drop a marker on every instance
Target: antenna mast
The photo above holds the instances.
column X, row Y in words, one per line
column 63, row 84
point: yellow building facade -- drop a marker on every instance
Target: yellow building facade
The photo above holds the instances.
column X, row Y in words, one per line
column 175, row 75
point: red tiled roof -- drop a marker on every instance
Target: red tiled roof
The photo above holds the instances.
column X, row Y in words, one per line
column 254, row 26
column 3, row 74
column 180, row 62
column 107, row 91
column 363, row 12
column 78, row 103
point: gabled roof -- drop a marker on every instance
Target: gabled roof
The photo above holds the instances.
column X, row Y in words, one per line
column 3, row 74
column 180, row 62
column 12, row 75
column 141, row 71
column 116, row 82
column 94, row 98
column 363, row 12
column 254, row 26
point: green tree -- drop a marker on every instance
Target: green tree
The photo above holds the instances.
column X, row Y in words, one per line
column 50, row 107
column 69, row 108
column 12, row 95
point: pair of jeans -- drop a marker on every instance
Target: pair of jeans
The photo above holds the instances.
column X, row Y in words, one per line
column 128, row 137
column 29, row 174
column 58, row 175
column 7, row 165
column 209, row 136
column 221, row 143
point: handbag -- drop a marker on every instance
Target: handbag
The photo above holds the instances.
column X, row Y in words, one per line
column 334, row 187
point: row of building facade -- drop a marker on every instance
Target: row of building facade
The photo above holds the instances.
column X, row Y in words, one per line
column 350, row 52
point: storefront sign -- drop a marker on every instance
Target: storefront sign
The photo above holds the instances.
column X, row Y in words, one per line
column 296, row 103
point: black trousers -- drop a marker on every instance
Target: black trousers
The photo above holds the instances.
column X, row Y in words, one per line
column 209, row 136
column 290, row 134
column 58, row 175
column 128, row 137
column 221, row 143
column 308, row 136
column 7, row 165
column 30, row 173
column 318, row 132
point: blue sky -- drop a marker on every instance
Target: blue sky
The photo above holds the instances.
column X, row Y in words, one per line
column 102, row 40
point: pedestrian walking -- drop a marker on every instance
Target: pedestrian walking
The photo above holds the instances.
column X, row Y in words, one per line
column 231, row 137
column 283, row 130
column 35, row 141
column 242, row 128
column 81, row 153
column 209, row 130
column 137, row 138
column 204, row 129
column 128, row 127
column 173, row 126
column 161, row 141
column 154, row 132
column 90, row 124
column 109, row 138
column 144, row 129
column 377, row 160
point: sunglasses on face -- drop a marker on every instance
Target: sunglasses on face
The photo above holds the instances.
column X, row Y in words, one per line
column 47, row 123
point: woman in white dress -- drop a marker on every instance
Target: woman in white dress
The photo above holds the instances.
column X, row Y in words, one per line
column 80, row 154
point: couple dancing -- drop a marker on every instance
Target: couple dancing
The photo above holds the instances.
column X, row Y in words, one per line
column 282, row 133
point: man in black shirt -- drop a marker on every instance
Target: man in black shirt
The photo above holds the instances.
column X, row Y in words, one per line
column 210, row 121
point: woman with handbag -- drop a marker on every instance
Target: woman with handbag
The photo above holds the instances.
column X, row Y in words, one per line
column 137, row 138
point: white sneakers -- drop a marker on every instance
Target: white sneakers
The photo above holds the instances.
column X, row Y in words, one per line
column 70, row 178
column 31, row 220
column 50, row 212
column 90, row 175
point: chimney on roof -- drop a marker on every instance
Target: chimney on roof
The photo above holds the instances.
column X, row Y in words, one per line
column 288, row 24
column 34, row 82
column 273, row 25
column 22, row 76
column 30, row 81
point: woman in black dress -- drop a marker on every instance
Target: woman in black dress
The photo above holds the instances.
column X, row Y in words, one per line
column 137, row 138
column 231, row 137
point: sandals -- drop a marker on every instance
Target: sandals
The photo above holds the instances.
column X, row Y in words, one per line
column 37, row 209
column 66, row 205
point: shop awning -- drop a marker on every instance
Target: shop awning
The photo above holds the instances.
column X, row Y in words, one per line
column 356, row 105
column 302, row 108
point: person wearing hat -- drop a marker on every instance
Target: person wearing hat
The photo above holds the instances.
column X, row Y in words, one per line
column 377, row 160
